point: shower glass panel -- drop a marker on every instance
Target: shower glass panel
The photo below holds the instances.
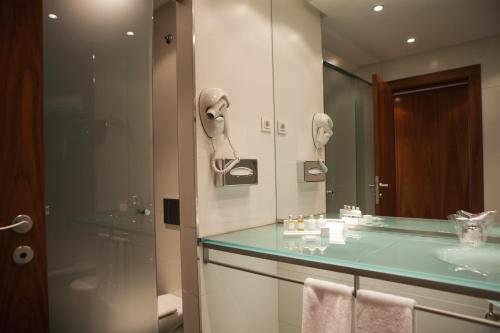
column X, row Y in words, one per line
column 98, row 152
column 365, row 167
column 349, row 155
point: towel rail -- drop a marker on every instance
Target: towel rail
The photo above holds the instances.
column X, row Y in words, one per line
column 422, row 308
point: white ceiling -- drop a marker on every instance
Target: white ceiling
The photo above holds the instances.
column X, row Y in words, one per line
column 354, row 32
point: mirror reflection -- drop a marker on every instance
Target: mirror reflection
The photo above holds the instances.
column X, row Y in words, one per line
column 412, row 95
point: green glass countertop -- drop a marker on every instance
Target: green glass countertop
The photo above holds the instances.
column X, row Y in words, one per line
column 438, row 259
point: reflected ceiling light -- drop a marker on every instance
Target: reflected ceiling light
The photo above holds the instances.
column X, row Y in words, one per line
column 378, row 8
column 130, row 33
column 411, row 40
column 52, row 16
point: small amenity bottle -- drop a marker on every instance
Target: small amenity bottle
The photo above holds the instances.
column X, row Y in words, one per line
column 311, row 223
column 300, row 223
column 321, row 222
column 289, row 224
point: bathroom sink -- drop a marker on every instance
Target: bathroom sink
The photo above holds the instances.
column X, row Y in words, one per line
column 484, row 261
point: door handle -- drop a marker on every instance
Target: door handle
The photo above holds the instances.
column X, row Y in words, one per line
column 21, row 224
column 378, row 186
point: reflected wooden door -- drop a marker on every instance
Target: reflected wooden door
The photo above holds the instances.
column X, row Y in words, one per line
column 384, row 148
column 23, row 287
column 430, row 144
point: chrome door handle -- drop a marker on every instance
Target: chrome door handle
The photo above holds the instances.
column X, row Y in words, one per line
column 21, row 224
column 329, row 192
column 378, row 186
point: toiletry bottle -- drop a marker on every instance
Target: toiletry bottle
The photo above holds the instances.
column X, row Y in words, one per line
column 300, row 223
column 321, row 222
column 357, row 212
column 289, row 224
column 311, row 223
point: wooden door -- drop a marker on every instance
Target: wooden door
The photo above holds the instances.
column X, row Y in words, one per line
column 431, row 154
column 428, row 143
column 384, row 147
column 23, row 288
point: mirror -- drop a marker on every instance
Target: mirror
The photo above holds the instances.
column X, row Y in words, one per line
column 413, row 90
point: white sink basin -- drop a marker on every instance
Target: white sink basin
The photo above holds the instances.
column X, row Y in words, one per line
column 481, row 260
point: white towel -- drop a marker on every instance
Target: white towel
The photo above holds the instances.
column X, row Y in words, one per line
column 383, row 313
column 326, row 307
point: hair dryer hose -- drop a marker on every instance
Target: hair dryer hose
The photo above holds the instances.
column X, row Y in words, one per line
column 226, row 167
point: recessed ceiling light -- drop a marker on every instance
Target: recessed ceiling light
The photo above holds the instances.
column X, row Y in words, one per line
column 52, row 16
column 378, row 8
column 411, row 40
column 130, row 33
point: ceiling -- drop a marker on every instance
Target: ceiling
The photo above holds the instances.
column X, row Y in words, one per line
column 159, row 3
column 357, row 34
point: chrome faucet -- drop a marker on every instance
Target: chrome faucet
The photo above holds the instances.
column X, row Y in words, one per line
column 483, row 217
column 472, row 228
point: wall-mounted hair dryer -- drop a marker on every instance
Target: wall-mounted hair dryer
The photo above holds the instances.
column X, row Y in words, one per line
column 322, row 131
column 213, row 109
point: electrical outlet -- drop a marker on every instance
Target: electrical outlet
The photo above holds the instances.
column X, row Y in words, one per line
column 266, row 124
column 281, row 127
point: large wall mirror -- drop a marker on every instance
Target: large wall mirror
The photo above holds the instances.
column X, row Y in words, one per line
column 412, row 89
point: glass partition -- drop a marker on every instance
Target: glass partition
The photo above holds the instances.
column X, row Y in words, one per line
column 348, row 102
column 98, row 152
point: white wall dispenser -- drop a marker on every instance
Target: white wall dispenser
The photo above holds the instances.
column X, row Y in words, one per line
column 213, row 109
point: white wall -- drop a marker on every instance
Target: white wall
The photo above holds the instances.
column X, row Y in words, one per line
column 485, row 52
column 233, row 51
column 298, row 95
column 168, row 256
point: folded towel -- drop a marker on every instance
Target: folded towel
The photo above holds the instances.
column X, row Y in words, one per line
column 383, row 313
column 326, row 307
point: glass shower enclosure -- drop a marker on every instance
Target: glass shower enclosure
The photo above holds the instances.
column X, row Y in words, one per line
column 350, row 154
column 98, row 152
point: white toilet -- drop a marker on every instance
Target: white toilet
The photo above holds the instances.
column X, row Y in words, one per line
column 169, row 313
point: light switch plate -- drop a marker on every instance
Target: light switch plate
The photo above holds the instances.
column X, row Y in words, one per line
column 265, row 124
column 281, row 127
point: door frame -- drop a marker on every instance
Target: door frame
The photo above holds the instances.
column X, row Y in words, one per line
column 471, row 75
